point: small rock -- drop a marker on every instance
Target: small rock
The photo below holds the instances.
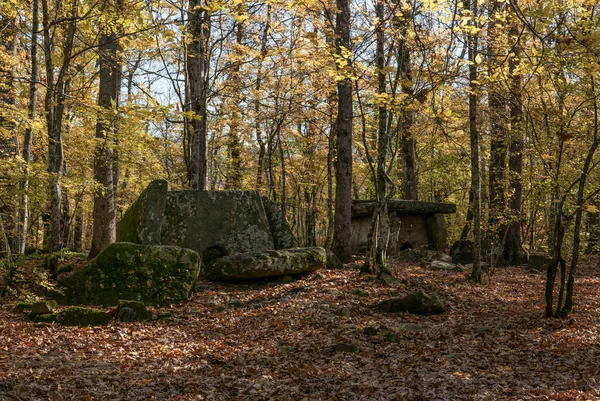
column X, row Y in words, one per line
column 318, row 276
column 441, row 265
column 284, row 300
column 133, row 311
column 361, row 291
column 285, row 279
column 345, row 312
column 235, row 303
column 43, row 307
column 343, row 347
column 419, row 303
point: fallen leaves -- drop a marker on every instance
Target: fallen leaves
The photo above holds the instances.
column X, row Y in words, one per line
column 321, row 340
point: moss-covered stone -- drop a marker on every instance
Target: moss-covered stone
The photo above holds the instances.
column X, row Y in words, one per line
column 133, row 311
column 23, row 306
column 266, row 264
column 65, row 269
column 233, row 220
column 43, row 307
column 142, row 222
column 80, row 316
column 156, row 275
column 45, row 318
column 419, row 303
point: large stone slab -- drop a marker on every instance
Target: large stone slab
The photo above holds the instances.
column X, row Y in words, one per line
column 233, row 220
column 155, row 275
column 283, row 238
column 266, row 264
column 142, row 222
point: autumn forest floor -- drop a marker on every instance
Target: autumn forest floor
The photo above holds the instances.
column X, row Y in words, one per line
column 278, row 341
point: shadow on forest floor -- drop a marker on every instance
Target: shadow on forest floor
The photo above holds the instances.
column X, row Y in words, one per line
column 272, row 341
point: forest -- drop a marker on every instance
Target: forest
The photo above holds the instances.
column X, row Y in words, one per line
column 293, row 120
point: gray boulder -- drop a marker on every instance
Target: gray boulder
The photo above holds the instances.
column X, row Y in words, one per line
column 266, row 264
column 153, row 274
column 233, row 220
column 283, row 238
column 419, row 303
column 441, row 265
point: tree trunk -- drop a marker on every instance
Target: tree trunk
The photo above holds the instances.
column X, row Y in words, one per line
column 28, row 139
column 197, row 68
column 474, row 135
column 409, row 143
column 342, row 230
column 105, row 213
column 54, row 106
column 513, row 247
column 498, row 121
column 234, row 145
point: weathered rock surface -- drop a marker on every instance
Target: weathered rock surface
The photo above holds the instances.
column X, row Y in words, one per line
column 142, row 222
column 538, row 261
column 43, row 307
column 332, row 261
column 283, row 238
column 419, row 303
column 266, row 264
column 133, row 311
column 156, row 275
column 80, row 316
column 233, row 220
column 441, row 265
column 462, row 252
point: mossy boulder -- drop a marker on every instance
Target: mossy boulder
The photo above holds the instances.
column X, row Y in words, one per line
column 156, row 275
column 255, row 265
column 133, row 311
column 142, row 222
column 43, row 307
column 80, row 316
column 45, row 318
column 23, row 306
column 419, row 303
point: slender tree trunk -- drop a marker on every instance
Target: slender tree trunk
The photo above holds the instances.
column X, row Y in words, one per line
column 234, row 145
column 474, row 135
column 513, row 247
column 409, row 143
column 498, row 121
column 105, row 213
column 197, row 68
column 54, row 106
column 342, row 230
column 28, row 139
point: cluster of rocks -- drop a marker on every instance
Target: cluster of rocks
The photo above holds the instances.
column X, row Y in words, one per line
column 167, row 239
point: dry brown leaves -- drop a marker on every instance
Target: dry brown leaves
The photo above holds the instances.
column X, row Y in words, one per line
column 278, row 342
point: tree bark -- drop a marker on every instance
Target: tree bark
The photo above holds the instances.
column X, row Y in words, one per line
column 513, row 246
column 342, row 230
column 105, row 212
column 474, row 136
column 54, row 107
column 197, row 69
column 498, row 122
column 28, row 139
